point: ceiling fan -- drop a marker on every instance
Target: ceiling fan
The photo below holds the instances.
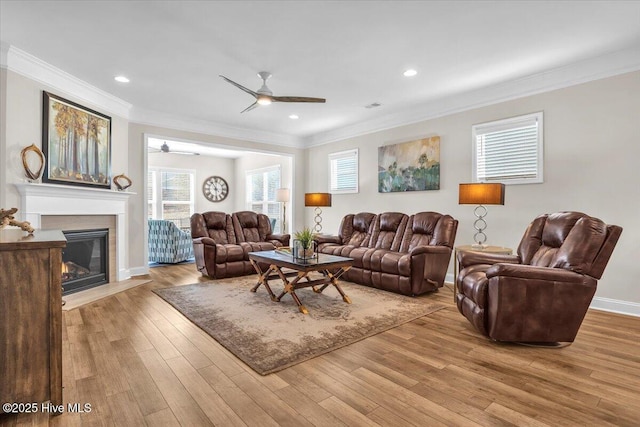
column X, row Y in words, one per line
column 264, row 96
column 164, row 148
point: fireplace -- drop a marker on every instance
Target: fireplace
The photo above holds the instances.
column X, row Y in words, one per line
column 85, row 260
column 67, row 207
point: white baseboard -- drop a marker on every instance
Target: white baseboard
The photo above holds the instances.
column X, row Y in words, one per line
column 616, row 306
column 139, row 271
column 449, row 278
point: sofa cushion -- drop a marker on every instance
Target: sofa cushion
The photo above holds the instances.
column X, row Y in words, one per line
column 388, row 230
column 229, row 253
column 384, row 261
column 339, row 250
column 428, row 229
column 355, row 229
column 251, row 226
column 215, row 225
column 247, row 247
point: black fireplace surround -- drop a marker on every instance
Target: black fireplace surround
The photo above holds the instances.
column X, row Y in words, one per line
column 85, row 260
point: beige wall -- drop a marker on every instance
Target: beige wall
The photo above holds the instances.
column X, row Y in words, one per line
column 3, row 135
column 591, row 151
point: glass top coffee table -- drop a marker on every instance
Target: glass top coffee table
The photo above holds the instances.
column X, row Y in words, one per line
column 331, row 267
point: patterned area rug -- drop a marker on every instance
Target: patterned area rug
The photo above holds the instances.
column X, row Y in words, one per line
column 271, row 336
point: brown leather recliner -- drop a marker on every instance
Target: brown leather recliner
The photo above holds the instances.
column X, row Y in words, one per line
column 542, row 294
column 222, row 242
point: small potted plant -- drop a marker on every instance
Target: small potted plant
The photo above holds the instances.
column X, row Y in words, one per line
column 303, row 240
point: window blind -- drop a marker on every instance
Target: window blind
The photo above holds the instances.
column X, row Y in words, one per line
column 509, row 151
column 343, row 172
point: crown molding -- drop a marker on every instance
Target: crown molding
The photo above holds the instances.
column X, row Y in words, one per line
column 23, row 63
column 604, row 66
column 186, row 124
column 4, row 48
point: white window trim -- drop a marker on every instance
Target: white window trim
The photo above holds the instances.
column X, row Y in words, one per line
column 342, row 154
column 506, row 124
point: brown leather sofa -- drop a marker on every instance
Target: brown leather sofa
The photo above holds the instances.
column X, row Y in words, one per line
column 394, row 251
column 542, row 294
column 222, row 242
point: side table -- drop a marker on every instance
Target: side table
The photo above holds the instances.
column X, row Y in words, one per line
column 489, row 249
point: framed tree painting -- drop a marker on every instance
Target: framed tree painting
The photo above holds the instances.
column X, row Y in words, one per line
column 409, row 166
column 76, row 142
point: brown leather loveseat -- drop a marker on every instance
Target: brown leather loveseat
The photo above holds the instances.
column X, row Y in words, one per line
column 406, row 254
column 222, row 242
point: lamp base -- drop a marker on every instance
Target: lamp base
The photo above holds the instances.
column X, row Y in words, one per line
column 479, row 246
column 317, row 228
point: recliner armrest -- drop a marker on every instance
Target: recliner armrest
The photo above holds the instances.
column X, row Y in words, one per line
column 430, row 250
column 534, row 273
column 282, row 238
column 325, row 238
column 204, row 241
column 467, row 258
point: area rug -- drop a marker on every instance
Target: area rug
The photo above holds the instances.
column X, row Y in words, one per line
column 270, row 336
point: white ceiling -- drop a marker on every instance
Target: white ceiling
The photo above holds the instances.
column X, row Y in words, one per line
column 352, row 53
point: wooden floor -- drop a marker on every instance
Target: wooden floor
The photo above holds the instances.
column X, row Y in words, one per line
column 136, row 361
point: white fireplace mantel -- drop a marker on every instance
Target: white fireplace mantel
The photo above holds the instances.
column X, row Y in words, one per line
column 51, row 199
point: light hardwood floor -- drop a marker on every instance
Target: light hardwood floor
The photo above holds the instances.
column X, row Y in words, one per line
column 138, row 362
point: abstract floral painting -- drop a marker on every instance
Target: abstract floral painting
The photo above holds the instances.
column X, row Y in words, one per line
column 409, row 166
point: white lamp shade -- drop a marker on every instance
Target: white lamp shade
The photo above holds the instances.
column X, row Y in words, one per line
column 282, row 195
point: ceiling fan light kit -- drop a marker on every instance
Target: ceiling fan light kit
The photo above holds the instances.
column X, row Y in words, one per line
column 264, row 96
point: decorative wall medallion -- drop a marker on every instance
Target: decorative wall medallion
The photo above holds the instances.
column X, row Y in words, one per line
column 32, row 162
column 122, row 182
column 215, row 189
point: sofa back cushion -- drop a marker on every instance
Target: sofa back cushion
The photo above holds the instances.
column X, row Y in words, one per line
column 355, row 229
column 251, row 226
column 568, row 240
column 388, row 230
column 429, row 228
column 216, row 225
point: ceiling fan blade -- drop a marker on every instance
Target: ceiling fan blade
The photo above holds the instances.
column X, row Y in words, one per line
column 186, row 153
column 297, row 99
column 239, row 86
column 250, row 107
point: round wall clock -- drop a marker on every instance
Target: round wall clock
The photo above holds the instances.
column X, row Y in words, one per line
column 215, row 189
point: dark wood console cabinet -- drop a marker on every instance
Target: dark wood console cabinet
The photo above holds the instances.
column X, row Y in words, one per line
column 31, row 316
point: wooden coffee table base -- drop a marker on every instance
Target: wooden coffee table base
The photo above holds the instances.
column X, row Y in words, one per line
column 290, row 287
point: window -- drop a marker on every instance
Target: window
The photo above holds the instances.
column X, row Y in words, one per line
column 343, row 172
column 262, row 186
column 509, row 151
column 171, row 195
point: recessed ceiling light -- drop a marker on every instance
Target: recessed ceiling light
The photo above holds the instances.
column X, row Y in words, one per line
column 121, row 79
column 410, row 73
column 294, row 117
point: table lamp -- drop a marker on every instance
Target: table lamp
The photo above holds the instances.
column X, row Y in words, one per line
column 317, row 200
column 282, row 196
column 480, row 194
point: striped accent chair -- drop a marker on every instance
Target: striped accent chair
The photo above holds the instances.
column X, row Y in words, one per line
column 167, row 243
